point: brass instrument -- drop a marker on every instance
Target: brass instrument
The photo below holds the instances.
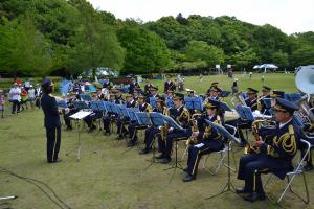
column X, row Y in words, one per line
column 256, row 127
column 240, row 99
column 304, row 81
column 184, row 114
column 193, row 122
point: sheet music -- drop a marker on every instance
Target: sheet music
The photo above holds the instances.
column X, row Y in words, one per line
column 80, row 115
column 172, row 122
column 258, row 114
column 199, row 145
column 222, row 130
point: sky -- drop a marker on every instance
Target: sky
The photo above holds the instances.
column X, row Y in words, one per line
column 288, row 15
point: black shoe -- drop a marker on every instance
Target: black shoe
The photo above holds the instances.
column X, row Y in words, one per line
column 161, row 156
column 241, row 191
column 131, row 143
column 144, row 151
column 57, row 160
column 165, row 160
column 69, row 128
column 308, row 167
column 252, row 197
column 188, row 178
column 119, row 137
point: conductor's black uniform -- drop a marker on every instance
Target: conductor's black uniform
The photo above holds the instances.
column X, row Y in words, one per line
column 53, row 125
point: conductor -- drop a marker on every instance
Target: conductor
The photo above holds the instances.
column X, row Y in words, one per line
column 52, row 121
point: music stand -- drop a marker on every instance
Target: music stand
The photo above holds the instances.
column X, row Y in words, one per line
column 222, row 130
column 78, row 117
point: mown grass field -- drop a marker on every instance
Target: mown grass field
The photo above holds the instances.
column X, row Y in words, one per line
column 110, row 175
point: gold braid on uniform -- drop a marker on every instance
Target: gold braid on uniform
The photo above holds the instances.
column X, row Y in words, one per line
column 286, row 141
column 208, row 129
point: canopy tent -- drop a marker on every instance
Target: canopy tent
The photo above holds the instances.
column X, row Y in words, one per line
column 265, row 67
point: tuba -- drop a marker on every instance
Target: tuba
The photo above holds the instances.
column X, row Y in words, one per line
column 304, row 81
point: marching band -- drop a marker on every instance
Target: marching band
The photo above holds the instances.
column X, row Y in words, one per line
column 272, row 151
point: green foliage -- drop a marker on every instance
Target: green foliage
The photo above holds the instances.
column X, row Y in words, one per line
column 200, row 51
column 43, row 36
column 24, row 48
column 94, row 44
column 145, row 50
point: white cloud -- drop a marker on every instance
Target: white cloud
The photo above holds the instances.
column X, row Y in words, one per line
column 288, row 15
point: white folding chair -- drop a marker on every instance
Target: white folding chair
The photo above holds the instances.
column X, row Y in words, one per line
column 297, row 171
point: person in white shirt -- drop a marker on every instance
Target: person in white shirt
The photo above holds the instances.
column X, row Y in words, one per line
column 31, row 95
column 15, row 97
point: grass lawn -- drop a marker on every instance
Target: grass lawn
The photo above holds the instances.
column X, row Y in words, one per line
column 110, row 175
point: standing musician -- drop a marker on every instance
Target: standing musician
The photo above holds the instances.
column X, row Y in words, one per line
column 251, row 101
column 274, row 156
column 153, row 131
column 182, row 116
column 52, row 121
column 169, row 84
column 205, row 140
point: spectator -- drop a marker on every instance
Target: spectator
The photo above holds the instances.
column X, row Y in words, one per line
column 15, row 97
column 1, row 102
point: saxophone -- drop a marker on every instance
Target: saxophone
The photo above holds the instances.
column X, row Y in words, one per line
column 256, row 127
column 193, row 122
column 165, row 128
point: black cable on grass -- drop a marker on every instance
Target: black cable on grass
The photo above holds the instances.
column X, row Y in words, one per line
column 40, row 185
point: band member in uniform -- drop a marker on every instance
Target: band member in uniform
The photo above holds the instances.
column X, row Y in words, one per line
column 181, row 115
column 213, row 93
column 206, row 140
column 153, row 131
column 265, row 95
column 275, row 156
column 121, row 130
column 143, row 107
column 52, row 121
column 251, row 101
column 169, row 84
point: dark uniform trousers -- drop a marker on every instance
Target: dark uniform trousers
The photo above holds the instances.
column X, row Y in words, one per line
column 53, row 125
column 196, row 152
column 53, row 146
column 167, row 145
column 149, row 136
column 95, row 115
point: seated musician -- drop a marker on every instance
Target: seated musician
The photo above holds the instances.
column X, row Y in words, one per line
column 169, row 84
column 96, row 114
column 121, row 130
column 262, row 106
column 153, row 131
column 274, row 156
column 251, row 101
column 206, row 140
column 143, row 107
column 107, row 118
column 181, row 115
column 213, row 93
column 70, row 111
column 276, row 94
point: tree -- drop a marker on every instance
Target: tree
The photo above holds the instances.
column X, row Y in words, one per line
column 244, row 59
column 281, row 59
column 95, row 43
column 145, row 50
column 200, row 51
column 23, row 48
